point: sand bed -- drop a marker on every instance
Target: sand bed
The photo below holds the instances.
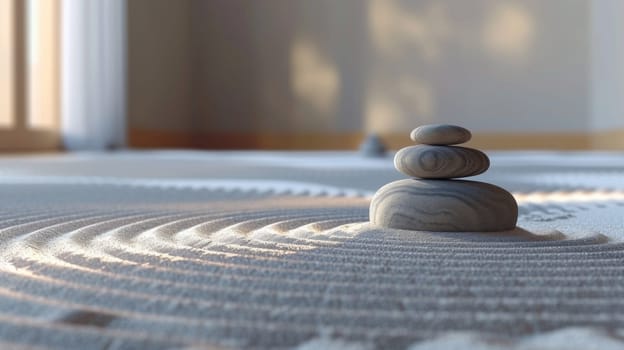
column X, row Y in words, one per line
column 269, row 250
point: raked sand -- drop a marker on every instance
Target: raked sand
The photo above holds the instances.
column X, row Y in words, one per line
column 274, row 250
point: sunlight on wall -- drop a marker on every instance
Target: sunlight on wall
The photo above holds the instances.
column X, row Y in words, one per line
column 406, row 41
column 6, row 63
column 43, row 57
column 394, row 30
column 350, row 66
column 508, row 33
column 314, row 78
column 416, row 95
column 401, row 107
column 382, row 113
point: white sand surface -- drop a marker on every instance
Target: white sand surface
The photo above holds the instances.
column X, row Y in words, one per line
column 176, row 249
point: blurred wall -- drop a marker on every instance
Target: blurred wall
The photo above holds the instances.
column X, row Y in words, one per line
column 607, row 51
column 160, row 65
column 225, row 69
column 281, row 65
column 491, row 65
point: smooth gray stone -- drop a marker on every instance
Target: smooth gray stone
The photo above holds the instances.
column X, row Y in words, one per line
column 373, row 147
column 443, row 206
column 440, row 162
column 440, row 134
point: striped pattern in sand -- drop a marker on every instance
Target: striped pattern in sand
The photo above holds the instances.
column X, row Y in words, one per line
column 88, row 263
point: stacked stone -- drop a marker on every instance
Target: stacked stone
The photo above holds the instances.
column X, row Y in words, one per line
column 433, row 200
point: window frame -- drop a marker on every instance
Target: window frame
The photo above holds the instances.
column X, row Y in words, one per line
column 19, row 136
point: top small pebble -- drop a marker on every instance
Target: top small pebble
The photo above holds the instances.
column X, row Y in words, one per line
column 440, row 134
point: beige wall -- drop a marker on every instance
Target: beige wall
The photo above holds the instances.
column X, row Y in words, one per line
column 280, row 65
column 607, row 56
column 359, row 65
column 491, row 65
column 160, row 69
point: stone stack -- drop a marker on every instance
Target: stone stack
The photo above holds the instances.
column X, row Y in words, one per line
column 432, row 200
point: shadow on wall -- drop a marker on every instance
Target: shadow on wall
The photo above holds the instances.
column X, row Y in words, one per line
column 421, row 53
column 492, row 66
column 299, row 68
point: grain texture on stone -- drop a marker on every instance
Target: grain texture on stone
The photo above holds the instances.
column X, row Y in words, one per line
column 440, row 162
column 440, row 134
column 443, row 206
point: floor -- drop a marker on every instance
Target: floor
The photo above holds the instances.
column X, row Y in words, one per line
column 183, row 249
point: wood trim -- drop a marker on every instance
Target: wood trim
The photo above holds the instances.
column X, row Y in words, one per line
column 20, row 135
column 608, row 140
column 141, row 138
column 29, row 140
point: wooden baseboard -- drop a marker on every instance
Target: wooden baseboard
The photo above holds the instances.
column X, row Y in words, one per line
column 29, row 140
column 233, row 140
column 140, row 138
column 608, row 140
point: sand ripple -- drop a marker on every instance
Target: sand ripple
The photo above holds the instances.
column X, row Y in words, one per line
column 139, row 262
column 281, row 277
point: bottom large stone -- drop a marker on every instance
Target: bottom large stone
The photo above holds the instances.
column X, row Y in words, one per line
column 443, row 206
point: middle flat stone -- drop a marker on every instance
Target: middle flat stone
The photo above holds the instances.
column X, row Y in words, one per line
column 440, row 162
